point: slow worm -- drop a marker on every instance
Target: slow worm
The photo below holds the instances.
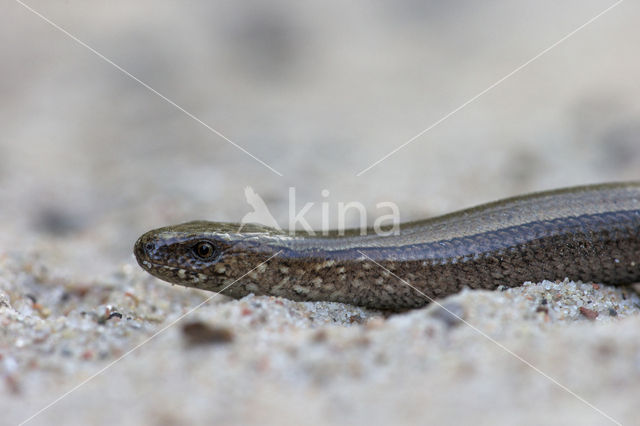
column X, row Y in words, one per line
column 588, row 233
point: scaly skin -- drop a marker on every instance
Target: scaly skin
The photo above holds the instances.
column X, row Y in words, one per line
column 589, row 233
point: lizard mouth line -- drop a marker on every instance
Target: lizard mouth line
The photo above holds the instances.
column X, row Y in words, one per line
column 150, row 266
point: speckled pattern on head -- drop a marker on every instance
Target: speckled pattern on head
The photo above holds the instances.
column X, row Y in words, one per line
column 588, row 233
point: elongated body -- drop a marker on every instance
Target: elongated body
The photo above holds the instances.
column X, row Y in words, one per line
column 589, row 233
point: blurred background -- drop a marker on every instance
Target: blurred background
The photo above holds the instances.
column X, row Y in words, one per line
column 90, row 158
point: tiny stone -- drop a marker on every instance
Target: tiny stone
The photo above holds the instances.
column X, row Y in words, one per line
column 450, row 313
column 589, row 313
column 198, row 333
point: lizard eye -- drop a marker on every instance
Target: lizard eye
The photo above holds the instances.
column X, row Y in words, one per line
column 204, row 250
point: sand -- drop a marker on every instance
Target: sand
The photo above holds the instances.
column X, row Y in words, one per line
column 90, row 159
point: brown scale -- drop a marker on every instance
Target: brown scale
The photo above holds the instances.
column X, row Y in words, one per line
column 587, row 233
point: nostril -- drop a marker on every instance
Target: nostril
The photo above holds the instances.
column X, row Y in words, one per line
column 149, row 247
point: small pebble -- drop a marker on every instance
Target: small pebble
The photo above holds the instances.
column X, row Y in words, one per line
column 451, row 313
column 198, row 333
column 588, row 313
